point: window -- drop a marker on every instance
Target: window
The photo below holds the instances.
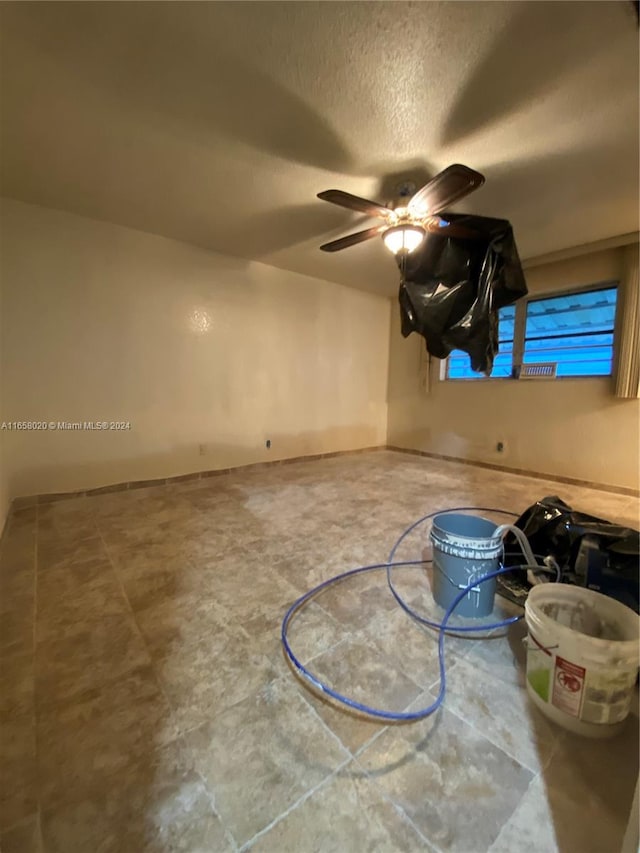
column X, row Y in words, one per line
column 458, row 363
column 572, row 331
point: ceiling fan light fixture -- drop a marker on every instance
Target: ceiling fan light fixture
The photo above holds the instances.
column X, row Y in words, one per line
column 403, row 238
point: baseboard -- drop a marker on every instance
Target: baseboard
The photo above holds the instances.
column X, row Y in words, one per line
column 34, row 500
column 523, row 472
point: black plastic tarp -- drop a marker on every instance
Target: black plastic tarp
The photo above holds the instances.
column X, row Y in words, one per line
column 590, row 551
column 452, row 288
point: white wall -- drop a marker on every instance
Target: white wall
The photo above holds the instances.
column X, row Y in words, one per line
column 103, row 323
column 570, row 427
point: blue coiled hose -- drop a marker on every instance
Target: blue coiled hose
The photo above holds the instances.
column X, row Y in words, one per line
column 379, row 713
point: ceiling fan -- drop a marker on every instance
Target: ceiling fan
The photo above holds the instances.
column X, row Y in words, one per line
column 408, row 221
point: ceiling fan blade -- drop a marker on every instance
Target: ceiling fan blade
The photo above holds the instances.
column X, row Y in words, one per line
column 354, row 202
column 353, row 239
column 448, row 186
column 436, row 225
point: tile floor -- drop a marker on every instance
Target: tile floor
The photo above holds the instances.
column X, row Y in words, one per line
column 147, row 707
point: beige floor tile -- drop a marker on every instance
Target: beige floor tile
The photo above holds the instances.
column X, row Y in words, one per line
column 60, row 552
column 17, row 692
column 208, row 567
column 25, row 517
column 24, row 837
column 153, row 575
column 16, row 586
column 502, row 712
column 17, row 558
column 200, row 544
column 300, row 567
column 68, row 667
column 361, row 819
column 187, row 616
column 600, row 774
column 456, row 787
column 554, row 821
column 18, row 793
column 142, row 533
column 310, row 632
column 357, row 601
column 158, row 804
column 353, row 729
column 85, row 746
column 81, row 608
column 410, row 647
column 359, row 669
column 16, row 624
column 68, row 578
column 204, row 676
column 58, row 529
column 503, row 655
column 19, row 536
column 246, row 590
column 260, row 756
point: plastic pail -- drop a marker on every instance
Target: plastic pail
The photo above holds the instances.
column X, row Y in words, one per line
column 464, row 549
column 582, row 657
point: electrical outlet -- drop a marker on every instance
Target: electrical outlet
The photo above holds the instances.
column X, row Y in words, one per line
column 267, row 443
column 202, row 449
column 500, row 447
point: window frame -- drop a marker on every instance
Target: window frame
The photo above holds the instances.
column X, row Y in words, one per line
column 519, row 332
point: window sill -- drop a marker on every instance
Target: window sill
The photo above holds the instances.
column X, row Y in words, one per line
column 484, row 379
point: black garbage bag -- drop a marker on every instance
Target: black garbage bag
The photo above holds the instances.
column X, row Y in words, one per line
column 590, row 551
column 452, row 288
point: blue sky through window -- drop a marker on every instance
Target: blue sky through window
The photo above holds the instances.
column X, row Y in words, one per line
column 459, row 363
column 574, row 331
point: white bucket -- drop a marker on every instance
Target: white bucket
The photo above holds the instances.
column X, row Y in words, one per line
column 582, row 657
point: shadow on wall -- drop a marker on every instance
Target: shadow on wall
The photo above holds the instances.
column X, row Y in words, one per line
column 52, row 478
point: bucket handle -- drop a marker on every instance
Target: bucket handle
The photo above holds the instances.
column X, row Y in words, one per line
column 538, row 647
column 470, row 579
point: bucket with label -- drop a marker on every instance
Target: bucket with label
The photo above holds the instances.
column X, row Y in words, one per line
column 582, row 657
column 465, row 547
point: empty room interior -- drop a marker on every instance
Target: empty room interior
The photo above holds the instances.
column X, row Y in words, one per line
column 319, row 409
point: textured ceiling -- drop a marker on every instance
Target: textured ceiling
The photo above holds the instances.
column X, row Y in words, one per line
column 217, row 123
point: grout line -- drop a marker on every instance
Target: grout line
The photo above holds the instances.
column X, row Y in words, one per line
column 515, row 808
column 398, row 808
column 212, row 802
column 36, row 745
column 326, row 781
column 499, row 746
column 181, row 735
column 317, row 715
column 137, row 628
